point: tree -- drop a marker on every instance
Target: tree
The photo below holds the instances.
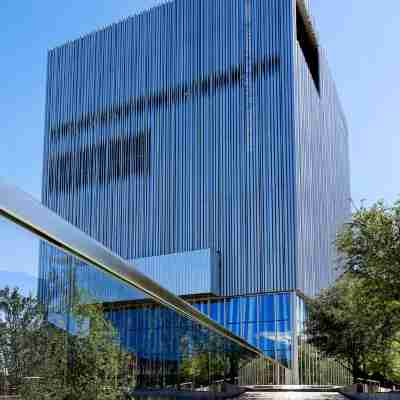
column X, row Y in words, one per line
column 345, row 323
column 370, row 249
column 19, row 322
column 45, row 362
column 358, row 319
column 99, row 367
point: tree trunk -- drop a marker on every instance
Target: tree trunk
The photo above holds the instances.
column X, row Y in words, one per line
column 356, row 372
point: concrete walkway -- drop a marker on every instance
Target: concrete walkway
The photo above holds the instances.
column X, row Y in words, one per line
column 373, row 396
column 296, row 395
column 169, row 394
column 294, row 388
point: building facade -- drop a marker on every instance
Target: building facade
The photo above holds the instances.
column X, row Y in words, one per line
column 203, row 140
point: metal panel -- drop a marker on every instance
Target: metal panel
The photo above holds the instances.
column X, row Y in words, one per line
column 203, row 130
column 322, row 175
column 192, row 272
column 210, row 82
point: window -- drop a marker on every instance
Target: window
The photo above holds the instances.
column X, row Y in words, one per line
column 105, row 162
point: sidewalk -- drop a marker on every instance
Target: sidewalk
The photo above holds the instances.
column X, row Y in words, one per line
column 372, row 396
column 198, row 395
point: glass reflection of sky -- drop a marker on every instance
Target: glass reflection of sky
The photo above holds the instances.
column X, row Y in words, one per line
column 19, row 258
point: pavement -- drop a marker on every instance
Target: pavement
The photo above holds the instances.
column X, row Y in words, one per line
column 292, row 396
column 374, row 396
column 293, row 388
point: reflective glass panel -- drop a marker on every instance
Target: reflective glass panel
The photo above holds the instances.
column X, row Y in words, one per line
column 267, row 308
column 99, row 327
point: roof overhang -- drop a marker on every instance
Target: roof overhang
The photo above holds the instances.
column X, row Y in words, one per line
column 302, row 8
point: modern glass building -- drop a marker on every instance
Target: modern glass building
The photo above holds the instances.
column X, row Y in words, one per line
column 204, row 141
column 170, row 343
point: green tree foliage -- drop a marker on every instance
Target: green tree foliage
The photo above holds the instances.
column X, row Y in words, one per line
column 358, row 319
column 44, row 362
column 20, row 320
column 370, row 248
column 203, row 368
column 98, row 368
column 344, row 322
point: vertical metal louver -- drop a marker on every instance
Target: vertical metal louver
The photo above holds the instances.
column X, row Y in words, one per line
column 178, row 129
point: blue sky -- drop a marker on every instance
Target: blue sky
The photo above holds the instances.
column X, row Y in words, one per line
column 362, row 43
column 361, row 39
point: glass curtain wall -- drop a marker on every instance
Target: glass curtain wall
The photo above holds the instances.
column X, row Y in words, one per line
column 263, row 320
column 69, row 334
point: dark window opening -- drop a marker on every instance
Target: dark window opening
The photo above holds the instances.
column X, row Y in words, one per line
column 106, row 162
column 308, row 46
column 178, row 94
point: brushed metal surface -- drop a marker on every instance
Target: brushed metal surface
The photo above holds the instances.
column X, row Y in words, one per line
column 209, row 84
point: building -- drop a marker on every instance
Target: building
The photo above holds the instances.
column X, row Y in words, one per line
column 193, row 349
column 204, row 140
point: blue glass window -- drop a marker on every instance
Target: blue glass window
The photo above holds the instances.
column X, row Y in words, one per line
column 204, row 307
column 264, row 321
column 250, row 332
column 267, row 308
column 283, row 327
column 283, row 306
column 250, row 309
column 267, row 335
column 217, row 312
column 235, row 328
column 233, row 310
